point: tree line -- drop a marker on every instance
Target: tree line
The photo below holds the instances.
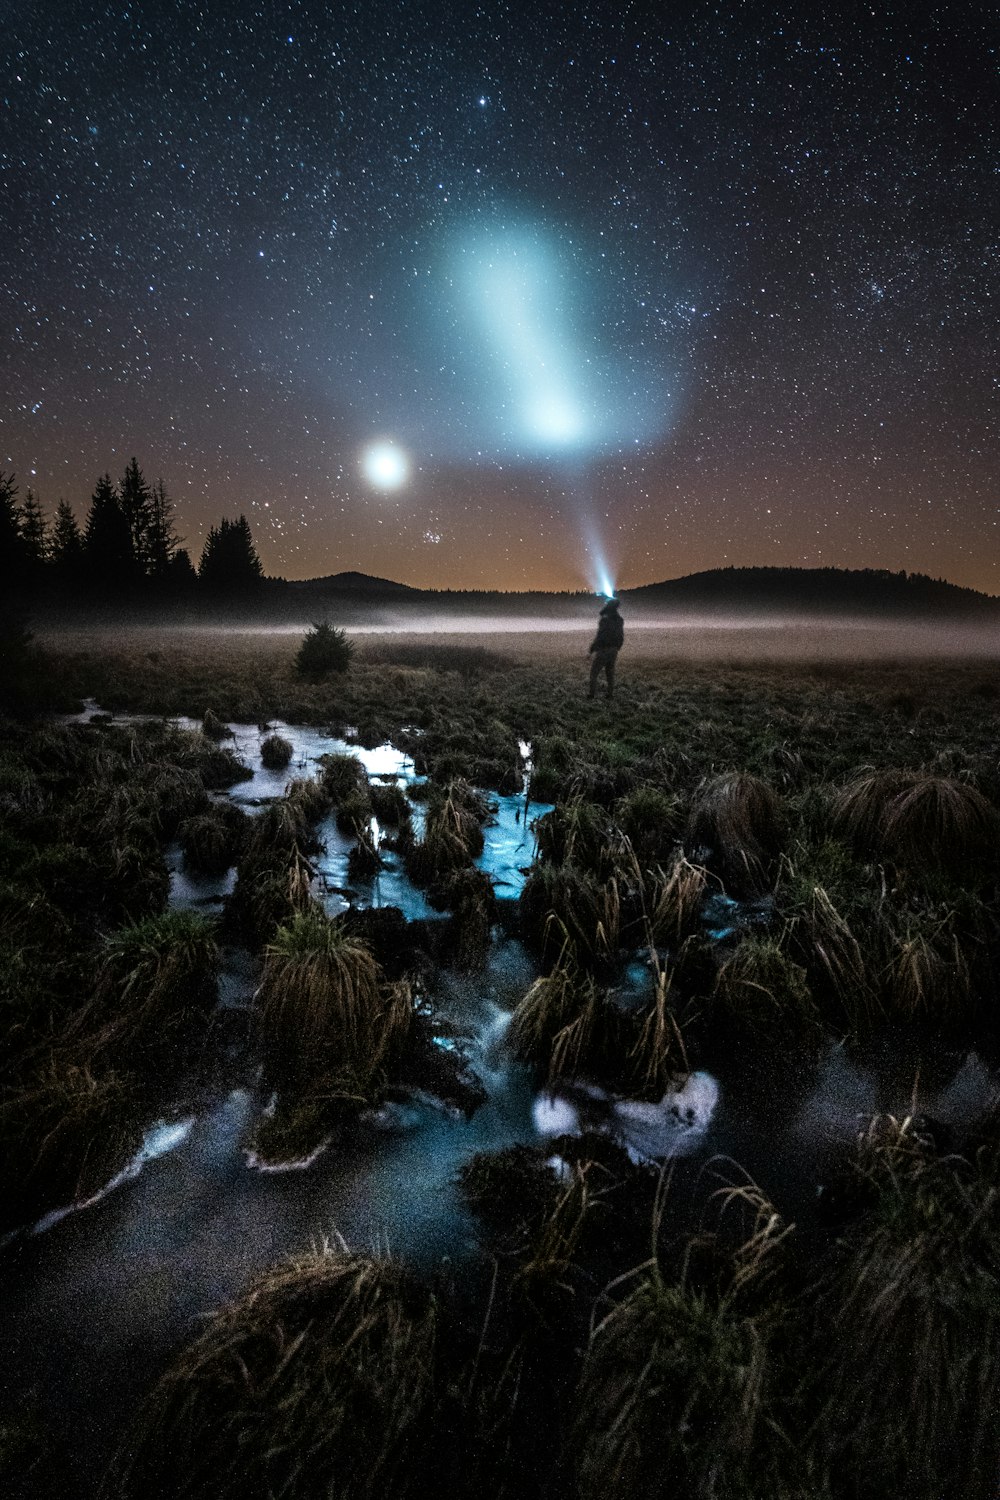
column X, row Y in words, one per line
column 128, row 548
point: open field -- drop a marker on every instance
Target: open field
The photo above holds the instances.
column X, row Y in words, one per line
column 655, row 1039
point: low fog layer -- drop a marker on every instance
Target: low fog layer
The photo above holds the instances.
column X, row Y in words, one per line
column 698, row 637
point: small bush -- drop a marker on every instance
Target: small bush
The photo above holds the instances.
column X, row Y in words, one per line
column 324, row 649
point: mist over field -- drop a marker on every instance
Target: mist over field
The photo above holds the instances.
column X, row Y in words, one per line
column 695, row 637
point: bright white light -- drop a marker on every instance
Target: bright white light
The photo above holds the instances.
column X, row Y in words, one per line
column 518, row 298
column 556, row 419
column 385, row 466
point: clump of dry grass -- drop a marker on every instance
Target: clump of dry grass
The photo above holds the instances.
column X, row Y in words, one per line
column 473, row 905
column 651, row 820
column 673, row 901
column 213, row 841
column 576, row 832
column 836, row 961
column 918, row 819
column 560, row 904
column 740, row 819
column 658, row 1056
column 341, row 775
column 759, row 987
column 213, row 728
column 676, row 1397
column 453, row 834
column 65, row 1130
column 927, row 973
column 321, row 1381
column 323, row 1015
column 275, row 752
column 907, row 1332
column 550, row 1014
column 156, row 978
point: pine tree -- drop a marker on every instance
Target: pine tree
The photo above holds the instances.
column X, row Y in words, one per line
column 136, row 500
column 67, row 547
column 34, row 533
column 181, row 576
column 12, row 554
column 162, row 540
column 229, row 564
column 109, row 556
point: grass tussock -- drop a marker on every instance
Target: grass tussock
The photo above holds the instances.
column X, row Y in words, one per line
column 676, row 1397
column 760, row 987
column 213, row 841
column 320, row 1382
column 909, row 1398
column 453, row 834
column 275, row 752
column 740, row 820
column 473, row 907
column 65, row 1130
column 919, row 820
column 673, row 900
column 323, row 1014
column 548, row 1013
column 157, row 979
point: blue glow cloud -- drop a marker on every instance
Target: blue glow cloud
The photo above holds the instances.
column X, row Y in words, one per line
column 552, row 383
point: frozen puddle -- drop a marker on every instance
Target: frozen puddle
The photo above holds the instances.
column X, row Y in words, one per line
column 674, row 1126
column 163, row 1137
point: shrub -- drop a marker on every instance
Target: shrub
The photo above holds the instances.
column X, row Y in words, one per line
column 324, row 649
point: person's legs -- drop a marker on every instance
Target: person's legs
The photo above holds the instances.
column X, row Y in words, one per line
column 609, row 672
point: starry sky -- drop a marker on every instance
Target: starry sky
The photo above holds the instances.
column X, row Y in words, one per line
column 516, row 295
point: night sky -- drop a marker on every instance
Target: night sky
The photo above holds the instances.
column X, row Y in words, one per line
column 503, row 296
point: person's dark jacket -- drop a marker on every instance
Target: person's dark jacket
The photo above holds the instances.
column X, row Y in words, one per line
column 610, row 630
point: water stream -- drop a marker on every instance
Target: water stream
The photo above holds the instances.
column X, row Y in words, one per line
column 95, row 1300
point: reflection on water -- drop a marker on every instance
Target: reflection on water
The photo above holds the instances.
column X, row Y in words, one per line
column 94, row 1305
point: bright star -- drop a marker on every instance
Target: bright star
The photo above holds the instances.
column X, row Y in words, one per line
column 385, row 465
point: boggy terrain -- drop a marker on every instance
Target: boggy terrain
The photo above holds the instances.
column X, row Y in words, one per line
column 746, row 908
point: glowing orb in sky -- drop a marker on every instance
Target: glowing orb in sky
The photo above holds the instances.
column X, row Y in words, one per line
column 385, row 465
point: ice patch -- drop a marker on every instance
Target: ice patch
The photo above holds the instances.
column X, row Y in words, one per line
column 555, row 1116
column 157, row 1141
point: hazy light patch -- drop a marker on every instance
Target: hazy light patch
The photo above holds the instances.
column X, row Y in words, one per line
column 385, row 466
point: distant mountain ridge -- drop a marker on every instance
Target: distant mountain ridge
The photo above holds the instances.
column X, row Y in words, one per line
column 811, row 591
column 819, row 590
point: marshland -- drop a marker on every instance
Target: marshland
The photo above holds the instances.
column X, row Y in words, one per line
column 421, row 1078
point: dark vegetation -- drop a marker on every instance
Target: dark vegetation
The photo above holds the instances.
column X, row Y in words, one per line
column 635, row 1333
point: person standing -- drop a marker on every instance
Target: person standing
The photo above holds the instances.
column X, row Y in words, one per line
column 605, row 646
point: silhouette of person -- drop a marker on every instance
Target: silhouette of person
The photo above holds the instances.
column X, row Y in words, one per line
column 605, row 646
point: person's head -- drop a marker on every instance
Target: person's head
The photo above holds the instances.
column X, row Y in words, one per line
column 611, row 607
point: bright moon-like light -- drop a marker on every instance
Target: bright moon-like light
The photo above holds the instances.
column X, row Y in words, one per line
column 385, row 465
